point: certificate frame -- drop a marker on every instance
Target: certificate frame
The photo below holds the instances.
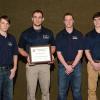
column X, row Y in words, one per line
column 40, row 54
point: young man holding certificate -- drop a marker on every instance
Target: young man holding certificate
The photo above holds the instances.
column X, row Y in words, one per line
column 31, row 42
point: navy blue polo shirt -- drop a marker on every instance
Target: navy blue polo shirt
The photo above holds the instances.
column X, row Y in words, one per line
column 69, row 43
column 8, row 48
column 31, row 37
column 92, row 43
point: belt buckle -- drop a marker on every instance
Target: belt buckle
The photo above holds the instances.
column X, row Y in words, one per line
column 69, row 62
column 4, row 68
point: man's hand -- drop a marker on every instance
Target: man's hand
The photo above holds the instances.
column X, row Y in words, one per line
column 28, row 60
column 12, row 74
column 53, row 60
column 69, row 69
column 96, row 66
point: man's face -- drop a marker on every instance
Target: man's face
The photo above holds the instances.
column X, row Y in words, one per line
column 68, row 21
column 97, row 22
column 4, row 25
column 37, row 19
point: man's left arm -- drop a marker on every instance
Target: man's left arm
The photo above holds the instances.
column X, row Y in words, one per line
column 77, row 58
column 80, row 45
column 13, row 70
column 14, row 60
column 53, row 49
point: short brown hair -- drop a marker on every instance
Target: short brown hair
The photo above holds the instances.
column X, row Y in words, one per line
column 97, row 14
column 6, row 18
column 38, row 11
column 68, row 14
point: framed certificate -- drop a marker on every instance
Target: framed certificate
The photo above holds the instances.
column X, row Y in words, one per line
column 40, row 54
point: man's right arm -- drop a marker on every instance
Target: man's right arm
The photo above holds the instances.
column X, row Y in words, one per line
column 23, row 52
column 95, row 65
column 61, row 59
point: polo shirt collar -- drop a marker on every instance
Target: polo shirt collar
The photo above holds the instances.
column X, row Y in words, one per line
column 38, row 31
column 65, row 32
column 95, row 33
column 4, row 35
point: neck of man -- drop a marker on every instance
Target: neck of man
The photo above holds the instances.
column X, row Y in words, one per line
column 37, row 27
column 69, row 30
column 97, row 29
column 3, row 33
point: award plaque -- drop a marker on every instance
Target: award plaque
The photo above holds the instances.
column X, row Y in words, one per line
column 40, row 54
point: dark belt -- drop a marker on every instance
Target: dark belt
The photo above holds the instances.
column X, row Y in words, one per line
column 5, row 68
column 97, row 61
column 69, row 62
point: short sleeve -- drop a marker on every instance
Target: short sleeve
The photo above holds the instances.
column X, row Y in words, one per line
column 52, row 40
column 22, row 42
column 58, row 43
column 87, row 43
column 81, row 43
column 15, row 47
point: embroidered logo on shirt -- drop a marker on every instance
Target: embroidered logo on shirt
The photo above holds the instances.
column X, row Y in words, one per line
column 10, row 44
column 45, row 36
column 74, row 37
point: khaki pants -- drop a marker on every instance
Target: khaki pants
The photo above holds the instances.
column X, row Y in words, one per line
column 34, row 73
column 92, row 82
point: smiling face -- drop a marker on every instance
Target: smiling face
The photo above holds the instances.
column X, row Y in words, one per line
column 96, row 22
column 68, row 21
column 37, row 19
column 4, row 25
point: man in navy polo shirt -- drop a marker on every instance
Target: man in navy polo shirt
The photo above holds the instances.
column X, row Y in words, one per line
column 37, row 35
column 92, row 50
column 8, row 59
column 69, row 52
